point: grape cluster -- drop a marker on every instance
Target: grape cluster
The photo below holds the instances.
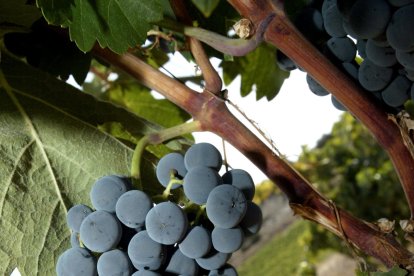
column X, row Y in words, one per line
column 126, row 233
column 370, row 40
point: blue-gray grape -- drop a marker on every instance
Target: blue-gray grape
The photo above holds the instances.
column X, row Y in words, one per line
column 203, row 154
column 114, row 262
column 226, row 270
column 369, row 18
column 181, row 264
column 242, row 180
column 198, row 183
column 213, row 260
column 315, row 87
column 132, row 208
column 310, row 23
column 145, row 253
column 343, row 48
column 252, row 220
column 100, row 231
column 373, row 77
column 397, row 34
column 76, row 261
column 333, row 21
column 226, row 206
column 227, row 240
column 397, row 93
column 361, row 47
column 172, row 162
column 166, row 223
column 76, row 215
column 381, row 56
column 337, row 104
column 106, row 191
column 196, row 243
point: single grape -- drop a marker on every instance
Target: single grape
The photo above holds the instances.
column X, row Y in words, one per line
column 76, row 261
column 145, row 253
column 315, row 87
column 226, row 206
column 198, row 183
column 166, row 223
column 381, row 56
column 213, row 260
column 196, row 243
column 337, row 104
column 252, row 220
column 343, row 48
column 100, row 231
column 227, row 240
column 226, row 270
column 242, row 180
column 75, row 216
column 132, row 208
column 106, row 191
column 397, row 34
column 333, row 22
column 181, row 264
column 114, row 262
column 172, row 162
column 203, row 154
column 373, row 77
column 397, row 93
column 74, row 239
column 284, row 62
column 406, row 59
column 369, row 18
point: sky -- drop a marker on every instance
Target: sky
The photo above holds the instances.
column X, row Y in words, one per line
column 295, row 117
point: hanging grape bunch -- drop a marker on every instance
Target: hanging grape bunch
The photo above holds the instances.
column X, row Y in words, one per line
column 370, row 40
column 125, row 233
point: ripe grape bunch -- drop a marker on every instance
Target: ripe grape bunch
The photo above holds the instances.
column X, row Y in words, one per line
column 126, row 233
column 370, row 40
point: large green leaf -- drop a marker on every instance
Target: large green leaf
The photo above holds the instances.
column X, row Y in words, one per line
column 56, row 12
column 51, row 152
column 114, row 24
column 18, row 13
column 259, row 72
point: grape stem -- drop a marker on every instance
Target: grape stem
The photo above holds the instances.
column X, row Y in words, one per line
column 230, row 46
column 157, row 138
column 212, row 79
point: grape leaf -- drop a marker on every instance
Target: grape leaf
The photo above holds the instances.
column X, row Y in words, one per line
column 56, row 12
column 18, row 13
column 138, row 100
column 258, row 71
column 206, row 6
column 51, row 152
column 114, row 24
